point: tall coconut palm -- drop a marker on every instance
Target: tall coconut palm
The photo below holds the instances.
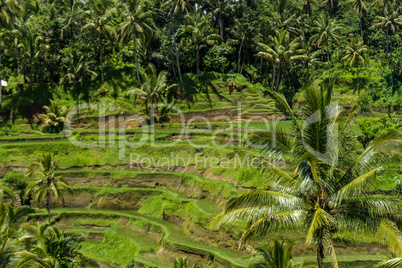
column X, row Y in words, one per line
column 154, row 88
column 391, row 22
column 240, row 34
column 282, row 51
column 76, row 71
column 355, row 54
column 70, row 11
column 138, row 21
column 327, row 31
column 311, row 60
column 45, row 182
column 176, row 6
column 222, row 9
column 328, row 192
column 32, row 46
column 359, row 8
column 7, row 13
column 99, row 14
column 201, row 33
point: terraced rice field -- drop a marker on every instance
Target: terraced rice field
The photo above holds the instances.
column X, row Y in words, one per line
column 147, row 205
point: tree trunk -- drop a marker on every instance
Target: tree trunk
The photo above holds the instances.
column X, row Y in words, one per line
column 48, row 205
column 278, row 80
column 1, row 86
column 101, row 56
column 307, row 74
column 30, row 74
column 329, row 65
column 320, row 255
column 238, row 63
column 361, row 26
column 135, row 56
column 24, row 71
column 392, row 73
column 387, row 40
column 358, row 81
column 273, row 77
column 174, row 46
column 198, row 56
column 221, row 25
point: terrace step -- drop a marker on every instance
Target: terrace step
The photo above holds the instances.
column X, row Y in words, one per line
column 18, row 201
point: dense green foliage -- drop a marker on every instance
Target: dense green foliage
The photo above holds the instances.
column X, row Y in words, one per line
column 281, row 44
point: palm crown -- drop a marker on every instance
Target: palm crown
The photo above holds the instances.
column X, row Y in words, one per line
column 328, row 191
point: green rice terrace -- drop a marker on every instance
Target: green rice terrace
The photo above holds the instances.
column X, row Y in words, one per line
column 157, row 203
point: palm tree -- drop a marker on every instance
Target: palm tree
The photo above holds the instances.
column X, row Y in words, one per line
column 48, row 247
column 70, row 11
column 11, row 220
column 138, row 21
column 46, row 183
column 54, row 117
column 328, row 192
column 6, row 16
column 221, row 9
column 307, row 7
column 327, row 30
column 359, row 8
column 281, row 53
column 390, row 22
column 98, row 16
column 312, row 59
column 153, row 89
column 240, row 34
column 201, row 33
column 393, row 239
column 77, row 71
column 32, row 46
column 176, row 6
column 354, row 53
column 281, row 256
column 6, row 193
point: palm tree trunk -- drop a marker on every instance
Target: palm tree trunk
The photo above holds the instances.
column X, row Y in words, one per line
column 174, row 45
column 392, row 73
column 48, row 205
column 1, row 86
column 152, row 113
column 329, row 65
column 238, row 63
column 198, row 58
column 24, row 71
column 273, row 77
column 361, row 26
column 387, row 40
column 30, row 73
column 307, row 73
column 221, row 25
column 320, row 255
column 101, row 56
column 135, row 56
column 278, row 80
column 358, row 81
